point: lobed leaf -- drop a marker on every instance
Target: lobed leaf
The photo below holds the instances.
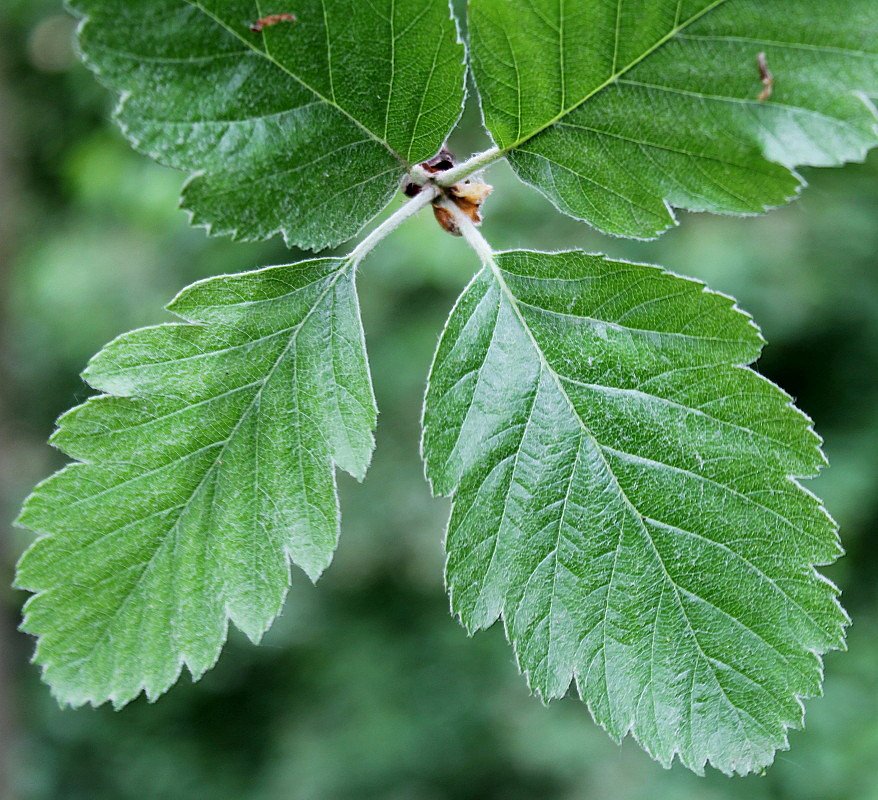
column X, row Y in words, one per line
column 304, row 128
column 207, row 466
column 624, row 498
column 619, row 111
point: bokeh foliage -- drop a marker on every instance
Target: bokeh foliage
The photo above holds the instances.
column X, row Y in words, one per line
column 367, row 688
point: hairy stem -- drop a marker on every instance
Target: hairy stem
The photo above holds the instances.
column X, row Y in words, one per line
column 412, row 207
column 470, row 232
column 468, row 167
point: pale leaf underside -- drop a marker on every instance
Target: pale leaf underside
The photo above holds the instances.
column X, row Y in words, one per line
column 623, row 500
column 304, row 128
column 619, row 110
column 206, row 469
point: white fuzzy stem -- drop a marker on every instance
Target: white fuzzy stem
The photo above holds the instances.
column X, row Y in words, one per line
column 468, row 167
column 412, row 207
column 470, row 232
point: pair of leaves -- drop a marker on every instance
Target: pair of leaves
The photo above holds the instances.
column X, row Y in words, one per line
column 617, row 111
column 620, row 479
column 620, row 483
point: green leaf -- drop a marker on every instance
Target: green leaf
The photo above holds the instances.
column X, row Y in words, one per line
column 305, row 128
column 624, row 499
column 205, row 470
column 618, row 112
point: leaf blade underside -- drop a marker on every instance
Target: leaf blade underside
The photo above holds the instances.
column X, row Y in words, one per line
column 206, row 468
column 304, row 129
column 620, row 112
column 623, row 500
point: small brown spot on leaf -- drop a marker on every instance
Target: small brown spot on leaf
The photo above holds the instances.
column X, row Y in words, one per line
column 767, row 78
column 271, row 19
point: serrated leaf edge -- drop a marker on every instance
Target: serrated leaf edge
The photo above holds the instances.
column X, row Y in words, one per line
column 118, row 699
column 667, row 763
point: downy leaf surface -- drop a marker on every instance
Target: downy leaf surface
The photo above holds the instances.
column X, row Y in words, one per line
column 207, row 466
column 619, row 111
column 304, row 128
column 625, row 499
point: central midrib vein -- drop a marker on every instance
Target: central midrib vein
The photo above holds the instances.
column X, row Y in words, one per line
column 627, row 502
column 488, row 257
column 488, row 157
column 329, row 101
column 677, row 29
column 211, row 471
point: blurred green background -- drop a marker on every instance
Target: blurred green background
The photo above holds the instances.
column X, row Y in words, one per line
column 366, row 687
